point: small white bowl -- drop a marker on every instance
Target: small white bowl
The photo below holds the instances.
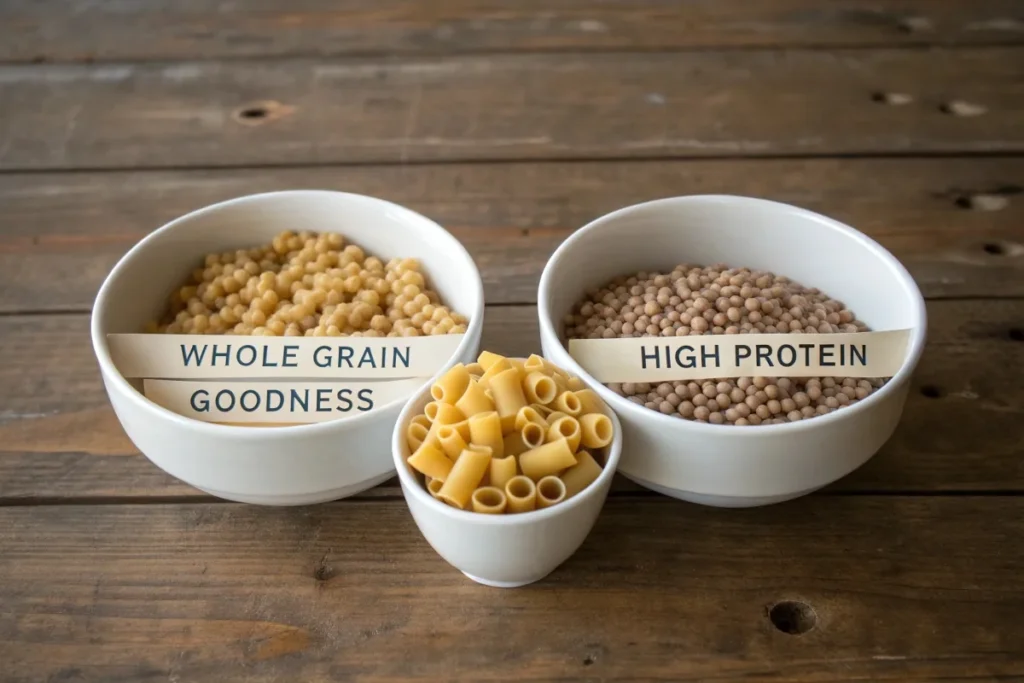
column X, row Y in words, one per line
column 724, row 465
column 295, row 465
column 502, row 551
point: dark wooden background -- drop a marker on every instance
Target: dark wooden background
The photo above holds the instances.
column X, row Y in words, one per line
column 513, row 123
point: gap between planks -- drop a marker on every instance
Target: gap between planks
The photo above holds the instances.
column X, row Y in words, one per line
column 540, row 51
column 919, row 155
column 367, row 497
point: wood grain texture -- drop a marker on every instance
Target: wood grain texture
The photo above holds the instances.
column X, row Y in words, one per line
column 63, row 232
column 35, row 30
column 352, row 592
column 697, row 104
column 60, row 439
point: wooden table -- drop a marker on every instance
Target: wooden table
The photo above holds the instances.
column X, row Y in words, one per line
column 513, row 123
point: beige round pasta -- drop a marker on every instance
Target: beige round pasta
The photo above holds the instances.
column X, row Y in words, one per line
column 306, row 284
column 695, row 300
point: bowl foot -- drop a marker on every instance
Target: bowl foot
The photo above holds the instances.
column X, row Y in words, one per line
column 502, row 584
column 300, row 499
column 713, row 500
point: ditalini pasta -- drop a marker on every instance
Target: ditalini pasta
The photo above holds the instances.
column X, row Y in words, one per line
column 489, row 500
column 550, row 491
column 505, row 436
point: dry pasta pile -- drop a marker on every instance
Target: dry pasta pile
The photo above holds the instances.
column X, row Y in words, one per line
column 304, row 284
column 504, row 435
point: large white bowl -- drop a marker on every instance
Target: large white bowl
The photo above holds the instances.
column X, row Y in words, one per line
column 293, row 465
column 502, row 551
column 725, row 465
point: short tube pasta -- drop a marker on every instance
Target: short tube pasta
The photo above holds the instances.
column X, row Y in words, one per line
column 462, row 427
column 489, row 500
column 581, row 475
column 590, row 402
column 416, row 434
column 486, row 359
column 555, row 416
column 521, row 493
column 431, row 461
column 502, row 470
column 550, row 458
column 513, row 444
column 465, row 477
column 451, row 385
column 567, row 428
column 451, row 440
column 508, row 436
column 474, row 400
column 495, row 368
column 439, row 412
column 550, row 491
column 568, row 403
column 485, row 430
column 533, row 434
column 596, row 430
column 508, row 396
column 529, row 414
column 539, row 388
column 541, row 409
column 434, row 486
column 536, row 363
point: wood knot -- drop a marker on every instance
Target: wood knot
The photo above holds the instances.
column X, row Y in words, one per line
column 896, row 99
column 322, row 572
column 792, row 617
column 263, row 111
column 916, row 25
column 983, row 201
column 963, row 108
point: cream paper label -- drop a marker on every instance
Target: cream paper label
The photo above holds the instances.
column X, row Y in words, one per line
column 169, row 356
column 242, row 402
column 664, row 359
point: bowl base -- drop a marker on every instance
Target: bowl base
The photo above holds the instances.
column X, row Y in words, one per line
column 299, row 499
column 712, row 500
column 502, row 584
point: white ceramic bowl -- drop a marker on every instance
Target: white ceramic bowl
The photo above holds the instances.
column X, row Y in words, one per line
column 724, row 465
column 294, row 465
column 502, row 551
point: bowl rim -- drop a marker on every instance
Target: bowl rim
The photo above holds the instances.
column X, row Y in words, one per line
column 412, row 487
column 636, row 412
column 101, row 350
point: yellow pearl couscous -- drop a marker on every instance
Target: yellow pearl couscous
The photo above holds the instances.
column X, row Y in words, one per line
column 306, row 284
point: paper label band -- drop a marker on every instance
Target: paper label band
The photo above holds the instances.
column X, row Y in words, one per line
column 275, row 402
column 178, row 356
column 665, row 359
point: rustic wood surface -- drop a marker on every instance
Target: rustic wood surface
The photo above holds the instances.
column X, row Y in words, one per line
column 513, row 124
column 63, row 232
column 352, row 592
column 40, row 30
column 508, row 106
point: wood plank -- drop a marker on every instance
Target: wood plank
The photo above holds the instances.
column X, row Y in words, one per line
column 60, row 439
column 42, row 30
column 63, row 232
column 903, row 589
column 722, row 103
